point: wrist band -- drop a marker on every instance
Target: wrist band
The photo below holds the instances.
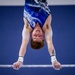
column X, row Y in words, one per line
column 21, row 59
column 53, row 58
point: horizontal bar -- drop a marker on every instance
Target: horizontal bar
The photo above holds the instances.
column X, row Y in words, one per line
column 37, row 66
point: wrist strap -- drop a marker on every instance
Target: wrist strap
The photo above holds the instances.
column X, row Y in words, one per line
column 53, row 58
column 21, row 59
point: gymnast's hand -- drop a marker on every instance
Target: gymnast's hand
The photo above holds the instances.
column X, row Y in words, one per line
column 17, row 65
column 56, row 65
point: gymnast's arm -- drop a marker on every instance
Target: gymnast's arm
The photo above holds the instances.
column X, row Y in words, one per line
column 48, row 36
column 51, row 50
column 25, row 40
column 22, row 51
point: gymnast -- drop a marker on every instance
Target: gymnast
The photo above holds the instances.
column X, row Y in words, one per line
column 37, row 27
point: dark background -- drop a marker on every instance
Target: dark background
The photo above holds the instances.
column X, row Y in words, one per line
column 63, row 25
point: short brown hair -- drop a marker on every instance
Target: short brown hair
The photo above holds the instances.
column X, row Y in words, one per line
column 36, row 45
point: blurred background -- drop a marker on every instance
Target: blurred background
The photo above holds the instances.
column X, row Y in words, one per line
column 63, row 25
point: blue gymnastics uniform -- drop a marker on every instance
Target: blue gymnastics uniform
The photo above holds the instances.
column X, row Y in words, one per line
column 36, row 12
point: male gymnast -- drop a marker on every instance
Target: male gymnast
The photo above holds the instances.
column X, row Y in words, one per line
column 37, row 27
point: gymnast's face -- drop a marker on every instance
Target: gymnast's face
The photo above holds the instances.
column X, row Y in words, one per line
column 37, row 34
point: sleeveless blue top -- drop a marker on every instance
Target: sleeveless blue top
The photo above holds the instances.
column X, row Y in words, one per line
column 36, row 12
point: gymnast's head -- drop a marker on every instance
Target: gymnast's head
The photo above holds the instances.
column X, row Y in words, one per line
column 37, row 37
